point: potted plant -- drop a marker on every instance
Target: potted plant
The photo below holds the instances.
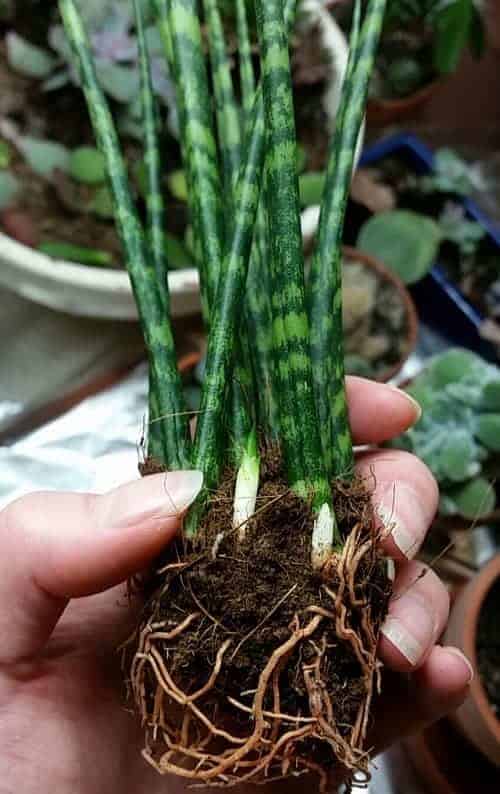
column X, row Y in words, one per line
column 458, row 435
column 423, row 42
column 474, row 628
column 452, row 755
column 54, row 202
column 380, row 321
column 265, row 591
column 436, row 221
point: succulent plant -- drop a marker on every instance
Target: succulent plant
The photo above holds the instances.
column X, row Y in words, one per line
column 403, row 240
column 452, row 174
column 454, row 24
column 405, row 75
column 114, row 44
column 457, row 229
column 459, row 431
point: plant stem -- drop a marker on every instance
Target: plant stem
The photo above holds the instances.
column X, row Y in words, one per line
column 258, row 313
column 247, row 485
column 197, row 134
column 227, row 111
column 230, row 140
column 155, row 207
column 247, row 74
column 299, row 430
column 155, row 323
column 155, row 203
column 325, row 308
column 207, row 446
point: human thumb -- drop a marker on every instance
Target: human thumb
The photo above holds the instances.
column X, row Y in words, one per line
column 57, row 546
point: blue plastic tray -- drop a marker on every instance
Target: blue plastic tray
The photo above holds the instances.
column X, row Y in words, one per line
column 439, row 302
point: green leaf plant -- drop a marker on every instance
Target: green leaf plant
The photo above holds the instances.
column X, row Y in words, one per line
column 405, row 241
column 271, row 585
column 458, row 435
column 454, row 26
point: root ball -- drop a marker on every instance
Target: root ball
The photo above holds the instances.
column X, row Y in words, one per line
column 248, row 665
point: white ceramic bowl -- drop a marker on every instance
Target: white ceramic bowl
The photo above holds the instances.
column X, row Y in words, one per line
column 106, row 293
column 82, row 290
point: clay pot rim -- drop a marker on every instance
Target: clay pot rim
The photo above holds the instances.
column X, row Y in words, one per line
column 386, row 111
column 420, row 93
column 189, row 361
column 477, row 591
column 385, row 274
column 402, row 102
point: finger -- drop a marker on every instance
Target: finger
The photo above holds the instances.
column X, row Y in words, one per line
column 417, row 616
column 405, row 496
column 409, row 704
column 54, row 547
column 378, row 411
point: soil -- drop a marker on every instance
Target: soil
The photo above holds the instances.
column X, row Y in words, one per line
column 51, row 210
column 226, row 610
column 488, row 648
column 376, row 322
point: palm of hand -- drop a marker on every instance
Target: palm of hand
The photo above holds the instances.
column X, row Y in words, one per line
column 64, row 726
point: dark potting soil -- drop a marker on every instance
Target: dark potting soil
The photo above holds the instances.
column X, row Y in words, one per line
column 488, row 647
column 253, row 591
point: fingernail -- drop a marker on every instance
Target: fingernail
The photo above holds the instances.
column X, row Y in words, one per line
column 416, row 407
column 181, row 489
column 400, row 508
column 409, row 627
column 157, row 498
column 466, row 662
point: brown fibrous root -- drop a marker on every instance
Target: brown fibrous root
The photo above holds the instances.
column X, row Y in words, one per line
column 255, row 690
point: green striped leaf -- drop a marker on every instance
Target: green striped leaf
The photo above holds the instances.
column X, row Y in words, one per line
column 299, row 431
column 155, row 323
column 184, row 48
column 325, row 303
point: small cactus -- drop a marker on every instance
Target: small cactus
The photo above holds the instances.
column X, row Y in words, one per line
column 459, row 432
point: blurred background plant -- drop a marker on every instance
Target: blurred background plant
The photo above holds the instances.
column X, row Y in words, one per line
column 114, row 44
column 458, row 435
column 424, row 40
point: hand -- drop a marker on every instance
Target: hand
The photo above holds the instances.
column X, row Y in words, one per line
column 63, row 612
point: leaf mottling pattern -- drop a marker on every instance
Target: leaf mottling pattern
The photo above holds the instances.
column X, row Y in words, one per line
column 325, row 305
column 154, row 320
column 299, row 432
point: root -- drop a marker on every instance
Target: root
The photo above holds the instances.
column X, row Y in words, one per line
column 217, row 739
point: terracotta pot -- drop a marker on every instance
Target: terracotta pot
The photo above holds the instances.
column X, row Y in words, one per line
column 475, row 719
column 493, row 23
column 189, row 361
column 390, row 111
column 448, row 764
column 384, row 274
